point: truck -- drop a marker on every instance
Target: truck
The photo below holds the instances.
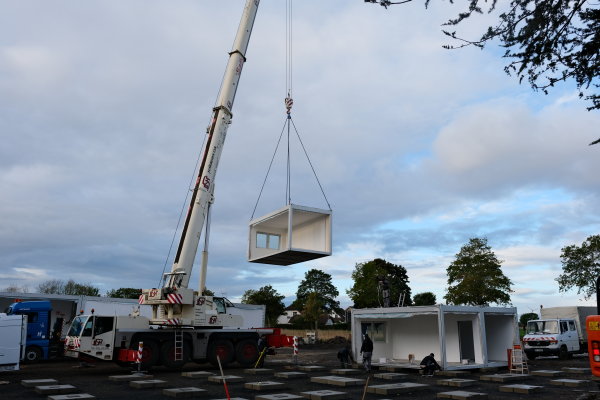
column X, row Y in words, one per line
column 13, row 330
column 185, row 324
column 559, row 332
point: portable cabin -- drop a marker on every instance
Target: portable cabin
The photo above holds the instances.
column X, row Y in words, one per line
column 461, row 337
column 290, row 235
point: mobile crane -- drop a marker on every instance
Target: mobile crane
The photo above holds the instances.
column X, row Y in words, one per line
column 185, row 324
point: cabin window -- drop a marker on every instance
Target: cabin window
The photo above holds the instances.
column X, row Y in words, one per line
column 267, row 241
column 376, row 330
column 572, row 326
column 31, row 317
column 87, row 329
column 103, row 325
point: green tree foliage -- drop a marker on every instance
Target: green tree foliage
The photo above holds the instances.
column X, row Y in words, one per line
column 475, row 277
column 319, row 282
column 70, row 287
column 581, row 266
column 366, row 290
column 424, row 299
column 124, row 293
column 313, row 308
column 527, row 317
column 15, row 289
column 270, row 298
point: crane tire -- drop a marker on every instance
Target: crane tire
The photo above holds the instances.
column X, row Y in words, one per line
column 224, row 349
column 246, row 352
column 150, row 354
column 167, row 355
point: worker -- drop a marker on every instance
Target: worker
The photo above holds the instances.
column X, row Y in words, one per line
column 345, row 356
column 262, row 351
column 429, row 365
column 367, row 352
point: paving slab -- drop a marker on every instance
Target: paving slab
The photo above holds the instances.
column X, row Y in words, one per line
column 55, row 389
column 291, row 375
column 524, row 389
column 311, row 368
column 71, row 396
column 129, row 378
column 462, row 395
column 38, row 382
column 546, row 372
column 573, row 370
column 568, row 382
column 184, row 392
column 453, row 373
column 392, row 367
column 228, row 378
column 337, row 380
column 279, row 396
column 197, row 374
column 324, row 395
column 265, row 385
column 456, row 382
column 148, row 383
column 233, row 398
column 347, row 371
column 504, row 378
column 395, row 388
column 391, row 376
column 258, row 371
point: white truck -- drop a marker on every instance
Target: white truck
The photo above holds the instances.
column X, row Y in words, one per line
column 185, row 324
column 13, row 334
column 559, row 332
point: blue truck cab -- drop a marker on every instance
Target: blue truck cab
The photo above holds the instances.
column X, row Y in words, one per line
column 43, row 341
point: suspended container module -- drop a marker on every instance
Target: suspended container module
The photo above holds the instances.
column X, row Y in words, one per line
column 290, row 235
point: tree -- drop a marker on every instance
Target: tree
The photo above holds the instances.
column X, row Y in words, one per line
column 581, row 266
column 475, row 277
column 424, row 299
column 57, row 286
column 366, row 291
column 52, row 286
column 124, row 293
column 319, row 282
column 527, row 317
column 12, row 288
column 313, row 308
column 270, row 298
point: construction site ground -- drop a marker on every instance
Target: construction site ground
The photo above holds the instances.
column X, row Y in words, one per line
column 95, row 381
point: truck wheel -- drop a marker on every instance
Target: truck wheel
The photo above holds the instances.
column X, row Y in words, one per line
column 246, row 352
column 150, row 353
column 531, row 356
column 563, row 353
column 33, row 354
column 224, row 349
column 167, row 355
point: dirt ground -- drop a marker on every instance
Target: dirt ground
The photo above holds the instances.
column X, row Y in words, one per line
column 94, row 380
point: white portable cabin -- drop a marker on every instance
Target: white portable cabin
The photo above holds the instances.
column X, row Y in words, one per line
column 290, row 235
column 13, row 334
column 461, row 337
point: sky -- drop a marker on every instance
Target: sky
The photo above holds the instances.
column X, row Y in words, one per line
column 104, row 107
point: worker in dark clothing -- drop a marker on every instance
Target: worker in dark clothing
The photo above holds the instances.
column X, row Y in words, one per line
column 429, row 365
column 367, row 352
column 262, row 351
column 345, row 357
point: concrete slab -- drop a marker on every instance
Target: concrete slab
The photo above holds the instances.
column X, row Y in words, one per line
column 324, row 395
column 129, row 378
column 392, row 367
column 337, row 380
column 38, row 382
column 149, row 383
column 228, row 378
column 184, row 392
column 504, row 378
column 279, row 396
column 347, row 371
column 453, row 373
column 197, row 374
column 291, row 375
column 545, row 372
column 311, row 368
column 456, row 382
column 524, row 389
column 55, row 389
column 390, row 376
column 568, row 382
column 71, row 396
column 462, row 395
column 233, row 398
column 258, row 371
column 573, row 370
column 264, row 385
column 395, row 388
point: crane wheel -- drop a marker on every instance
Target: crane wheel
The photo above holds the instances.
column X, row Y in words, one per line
column 150, row 354
column 246, row 352
column 168, row 356
column 224, row 349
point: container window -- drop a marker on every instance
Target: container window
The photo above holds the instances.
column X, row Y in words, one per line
column 376, row 330
column 267, row 241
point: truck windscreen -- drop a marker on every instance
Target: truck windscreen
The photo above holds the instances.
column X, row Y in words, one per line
column 77, row 326
column 544, row 327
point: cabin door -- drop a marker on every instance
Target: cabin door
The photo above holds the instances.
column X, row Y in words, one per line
column 465, row 340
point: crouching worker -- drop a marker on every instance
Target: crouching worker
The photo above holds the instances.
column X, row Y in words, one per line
column 345, row 357
column 429, row 365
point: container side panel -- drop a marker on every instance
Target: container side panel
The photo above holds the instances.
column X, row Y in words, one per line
column 500, row 334
column 416, row 335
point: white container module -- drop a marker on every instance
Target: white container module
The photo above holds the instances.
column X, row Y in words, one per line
column 290, row 235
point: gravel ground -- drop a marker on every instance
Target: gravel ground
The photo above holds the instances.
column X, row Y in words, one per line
column 94, row 380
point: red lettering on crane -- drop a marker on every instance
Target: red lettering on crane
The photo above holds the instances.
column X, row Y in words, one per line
column 206, row 182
